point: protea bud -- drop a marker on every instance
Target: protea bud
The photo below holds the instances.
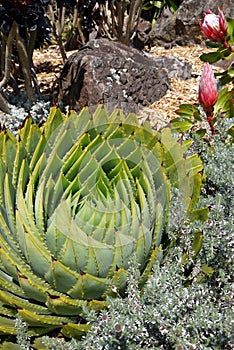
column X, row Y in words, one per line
column 214, row 27
column 208, row 93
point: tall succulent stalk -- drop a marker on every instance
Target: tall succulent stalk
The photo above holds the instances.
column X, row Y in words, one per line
column 79, row 196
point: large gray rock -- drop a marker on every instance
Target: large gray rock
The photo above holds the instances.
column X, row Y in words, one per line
column 112, row 73
column 117, row 75
column 182, row 28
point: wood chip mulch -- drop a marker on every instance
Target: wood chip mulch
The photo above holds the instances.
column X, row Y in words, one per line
column 180, row 91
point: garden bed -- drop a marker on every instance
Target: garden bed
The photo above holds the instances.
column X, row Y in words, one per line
column 49, row 63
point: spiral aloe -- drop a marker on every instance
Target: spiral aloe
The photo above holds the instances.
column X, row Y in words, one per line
column 79, row 196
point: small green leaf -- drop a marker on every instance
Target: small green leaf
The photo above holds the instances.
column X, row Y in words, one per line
column 201, row 132
column 212, row 44
column 207, row 269
column 197, row 242
column 187, row 110
column 199, row 214
column 230, row 24
column 10, row 346
column 180, row 125
column 213, row 57
column 231, row 132
column 39, row 344
column 226, row 76
column 224, row 102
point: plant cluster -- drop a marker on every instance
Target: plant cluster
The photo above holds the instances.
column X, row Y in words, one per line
column 187, row 303
column 105, row 236
column 78, row 196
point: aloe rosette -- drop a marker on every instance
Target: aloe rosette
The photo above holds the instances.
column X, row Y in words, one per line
column 79, row 196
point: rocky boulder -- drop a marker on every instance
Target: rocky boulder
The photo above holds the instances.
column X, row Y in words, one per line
column 117, row 75
column 182, row 28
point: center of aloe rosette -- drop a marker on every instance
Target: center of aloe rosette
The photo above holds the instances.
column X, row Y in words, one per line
column 112, row 213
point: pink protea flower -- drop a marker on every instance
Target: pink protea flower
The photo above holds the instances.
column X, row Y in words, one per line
column 214, row 27
column 208, row 93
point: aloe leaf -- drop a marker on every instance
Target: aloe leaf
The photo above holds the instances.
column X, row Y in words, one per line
column 30, row 287
column 8, row 149
column 29, row 135
column 7, row 326
column 54, row 120
column 7, row 312
column 156, row 256
column 60, row 277
column 72, row 330
column 65, row 306
column 100, row 117
column 89, row 287
column 13, row 300
column 201, row 214
column 10, row 284
column 81, row 123
column 9, row 198
column 35, row 319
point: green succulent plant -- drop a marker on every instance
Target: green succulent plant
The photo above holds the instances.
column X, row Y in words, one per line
column 79, row 195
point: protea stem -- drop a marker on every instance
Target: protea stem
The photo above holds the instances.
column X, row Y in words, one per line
column 209, row 116
column 228, row 46
column 210, row 121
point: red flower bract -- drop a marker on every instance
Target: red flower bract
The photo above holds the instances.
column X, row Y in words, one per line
column 214, row 27
column 208, row 93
